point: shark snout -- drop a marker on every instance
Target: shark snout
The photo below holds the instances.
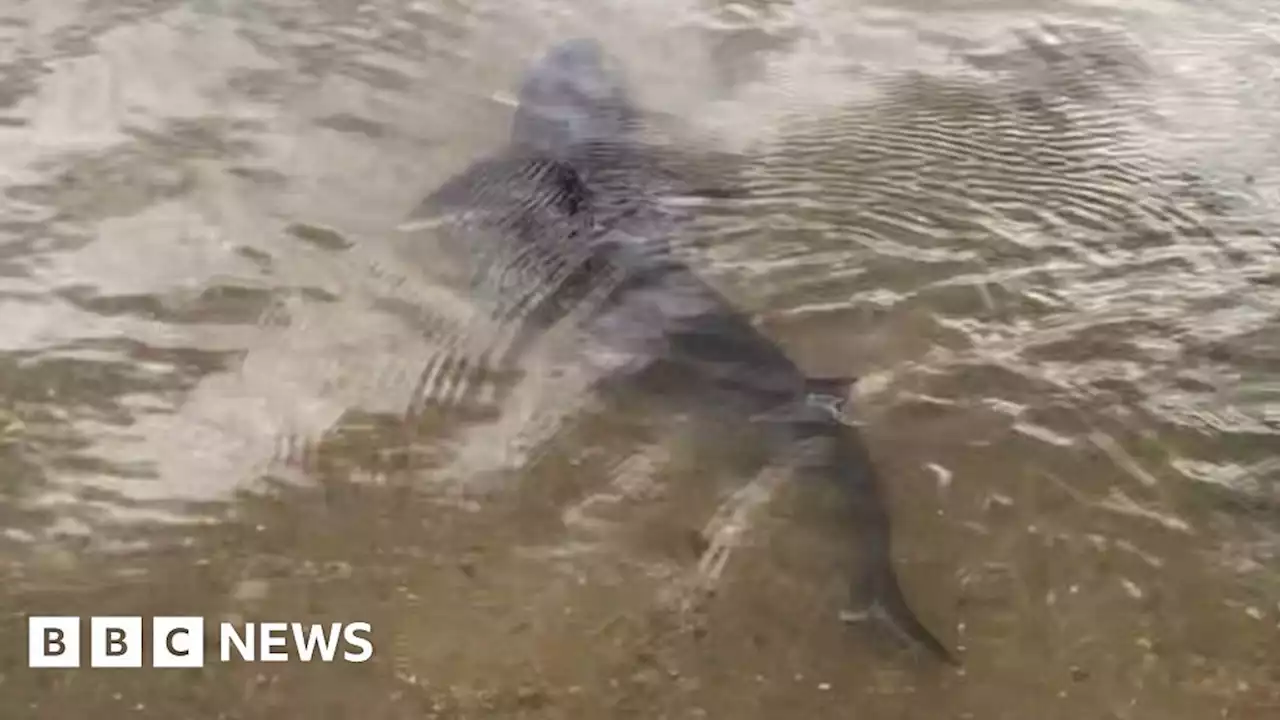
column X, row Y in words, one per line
column 570, row 97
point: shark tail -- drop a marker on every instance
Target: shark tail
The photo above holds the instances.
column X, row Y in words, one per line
column 877, row 587
column 888, row 603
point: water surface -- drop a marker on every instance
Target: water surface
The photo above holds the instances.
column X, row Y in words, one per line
column 1044, row 234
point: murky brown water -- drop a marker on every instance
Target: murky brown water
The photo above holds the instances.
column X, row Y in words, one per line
column 1046, row 237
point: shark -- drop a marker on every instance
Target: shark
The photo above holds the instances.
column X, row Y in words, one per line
column 575, row 218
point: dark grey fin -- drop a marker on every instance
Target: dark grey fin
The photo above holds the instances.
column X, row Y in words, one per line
column 543, row 209
column 876, row 591
column 495, row 183
column 885, row 602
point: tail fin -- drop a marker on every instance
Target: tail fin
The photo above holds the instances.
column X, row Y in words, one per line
column 878, row 587
column 887, row 603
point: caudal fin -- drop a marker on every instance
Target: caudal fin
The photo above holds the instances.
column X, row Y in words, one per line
column 877, row 588
column 887, row 603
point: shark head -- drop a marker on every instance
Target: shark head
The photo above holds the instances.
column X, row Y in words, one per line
column 571, row 97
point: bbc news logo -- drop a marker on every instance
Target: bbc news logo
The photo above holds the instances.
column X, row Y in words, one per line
column 179, row 642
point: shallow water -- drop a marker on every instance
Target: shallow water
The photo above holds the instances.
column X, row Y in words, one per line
column 1045, row 237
